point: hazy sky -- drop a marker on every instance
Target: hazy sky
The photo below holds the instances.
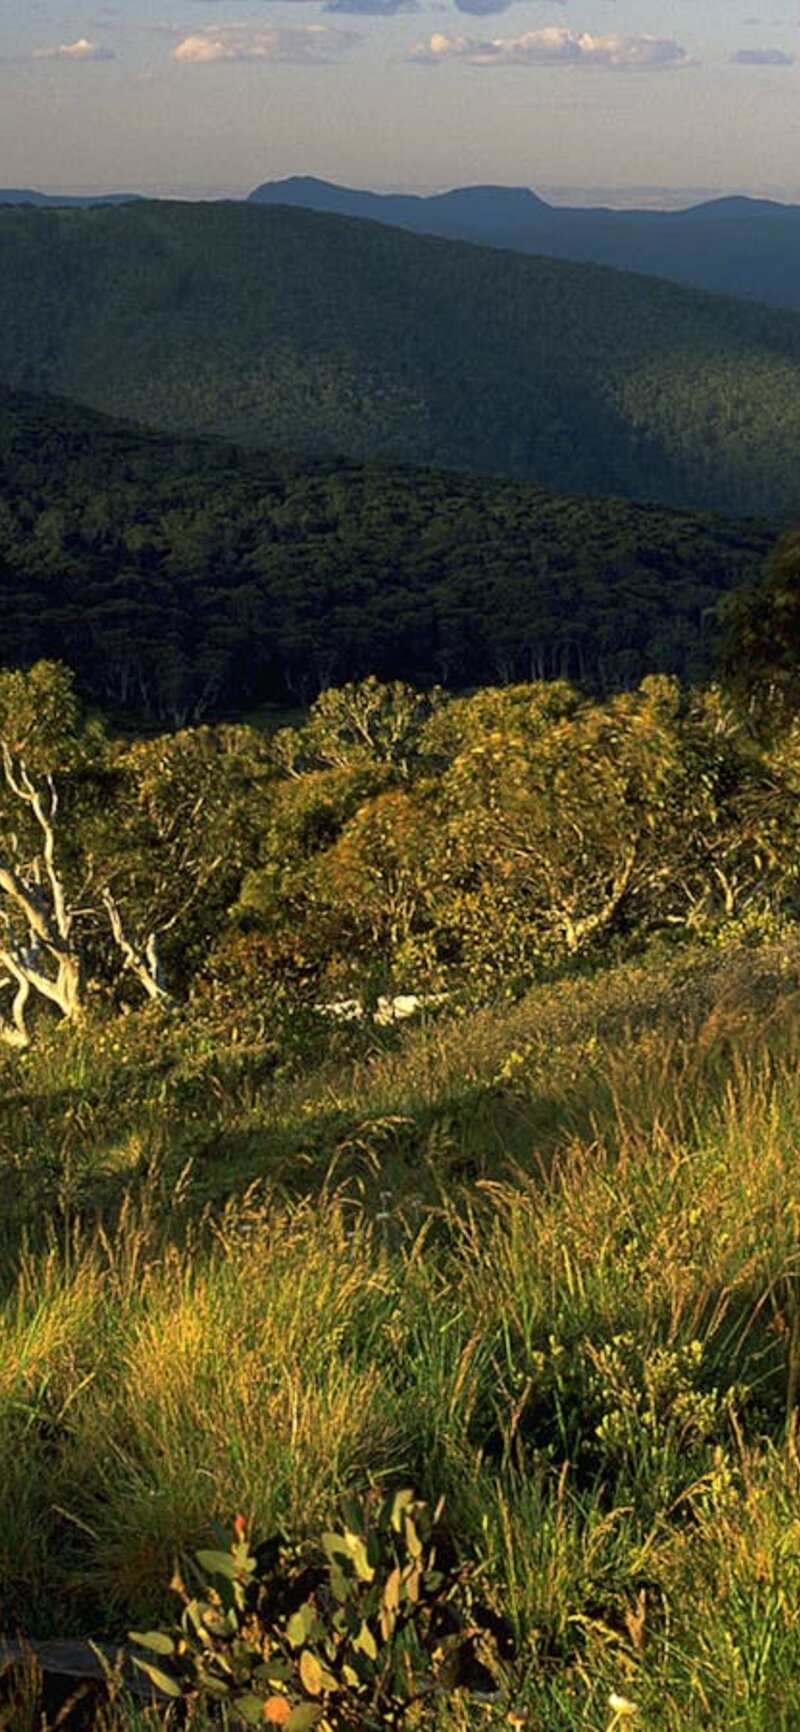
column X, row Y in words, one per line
column 199, row 97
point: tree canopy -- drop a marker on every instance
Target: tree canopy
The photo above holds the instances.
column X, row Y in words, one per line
column 333, row 336
column 182, row 579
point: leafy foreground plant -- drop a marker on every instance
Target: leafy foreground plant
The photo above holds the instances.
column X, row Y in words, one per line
column 363, row 1640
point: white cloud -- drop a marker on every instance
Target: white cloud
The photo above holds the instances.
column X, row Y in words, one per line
column 554, row 46
column 83, row 49
column 761, row 57
column 312, row 43
column 204, row 48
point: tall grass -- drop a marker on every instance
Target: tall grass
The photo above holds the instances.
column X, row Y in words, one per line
column 547, row 1264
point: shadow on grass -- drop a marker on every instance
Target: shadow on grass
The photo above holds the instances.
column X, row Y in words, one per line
column 170, row 1115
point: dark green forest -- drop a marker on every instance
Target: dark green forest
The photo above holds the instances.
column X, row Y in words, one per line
column 325, row 334
column 182, row 578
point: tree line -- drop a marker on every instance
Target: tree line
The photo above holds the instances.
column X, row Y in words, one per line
column 397, row 840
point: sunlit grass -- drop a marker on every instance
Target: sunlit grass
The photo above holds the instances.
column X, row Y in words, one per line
column 548, row 1268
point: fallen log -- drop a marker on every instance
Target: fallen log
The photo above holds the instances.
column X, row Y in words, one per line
column 69, row 1680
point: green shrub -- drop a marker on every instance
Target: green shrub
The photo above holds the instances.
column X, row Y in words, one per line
column 360, row 1637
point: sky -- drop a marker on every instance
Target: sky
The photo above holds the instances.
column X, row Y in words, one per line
column 627, row 101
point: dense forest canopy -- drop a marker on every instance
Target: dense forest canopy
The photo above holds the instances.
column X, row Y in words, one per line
column 184, row 577
column 740, row 246
column 332, row 335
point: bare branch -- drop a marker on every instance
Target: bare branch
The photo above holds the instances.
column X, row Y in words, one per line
column 25, row 789
column 48, row 964
column 38, row 952
column 142, row 960
column 16, row 1032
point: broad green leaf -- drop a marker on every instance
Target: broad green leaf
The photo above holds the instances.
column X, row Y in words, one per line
column 194, row 1613
column 335, row 1548
column 366, row 1642
column 413, row 1540
column 300, row 1625
column 340, row 1587
column 154, row 1640
column 214, row 1686
column 358, row 1553
column 250, row 1708
column 311, row 1673
column 403, row 1500
column 304, row 1716
column 220, row 1564
column 275, row 1670
column 391, row 1592
column 161, row 1679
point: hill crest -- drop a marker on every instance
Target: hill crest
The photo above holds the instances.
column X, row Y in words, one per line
column 331, row 335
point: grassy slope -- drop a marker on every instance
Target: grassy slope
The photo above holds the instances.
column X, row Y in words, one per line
column 576, row 1317
column 302, row 330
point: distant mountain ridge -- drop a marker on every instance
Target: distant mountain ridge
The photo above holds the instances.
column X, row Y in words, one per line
column 479, row 206
column 64, row 200
column 744, row 247
column 749, row 248
column 335, row 336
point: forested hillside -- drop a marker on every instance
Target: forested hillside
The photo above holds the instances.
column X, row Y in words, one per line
column 319, row 333
column 185, row 577
column 730, row 246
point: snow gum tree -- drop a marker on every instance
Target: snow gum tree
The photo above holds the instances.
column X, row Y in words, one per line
column 52, row 895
